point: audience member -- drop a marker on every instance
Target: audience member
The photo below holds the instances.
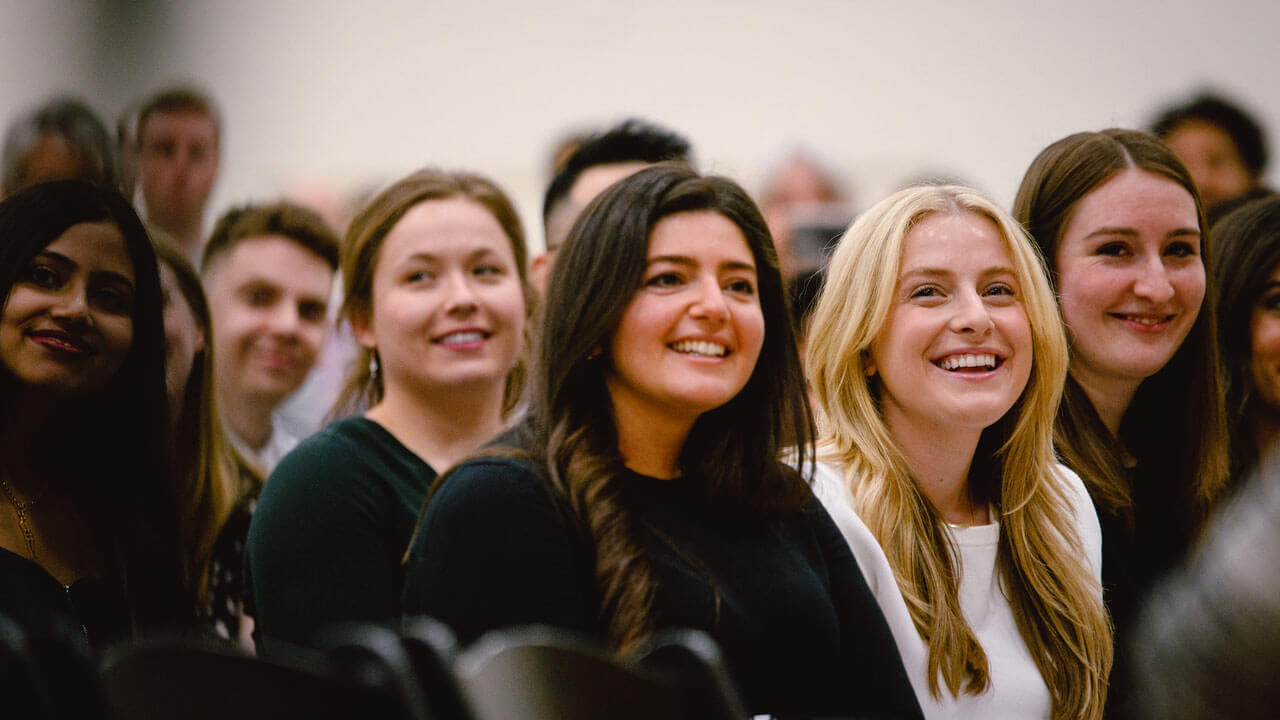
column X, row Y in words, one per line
column 268, row 270
column 1118, row 219
column 61, row 139
column 88, row 523
column 1222, row 147
column 598, row 162
column 806, row 210
column 1247, row 273
column 434, row 269
column 216, row 489
column 644, row 491
column 179, row 145
column 938, row 464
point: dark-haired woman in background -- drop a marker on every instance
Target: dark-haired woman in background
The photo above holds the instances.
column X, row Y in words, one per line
column 1248, row 277
column 646, row 492
column 1118, row 221
column 434, row 273
column 88, row 525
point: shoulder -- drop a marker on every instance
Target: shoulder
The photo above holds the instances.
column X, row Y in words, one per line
column 492, row 490
column 831, row 488
column 1083, row 513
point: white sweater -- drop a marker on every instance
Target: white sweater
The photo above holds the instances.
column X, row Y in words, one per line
column 1017, row 691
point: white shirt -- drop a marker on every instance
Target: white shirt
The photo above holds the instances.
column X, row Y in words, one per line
column 1017, row 691
column 269, row 455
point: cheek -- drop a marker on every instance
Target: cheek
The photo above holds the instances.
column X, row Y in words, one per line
column 1265, row 340
column 1190, row 286
column 117, row 334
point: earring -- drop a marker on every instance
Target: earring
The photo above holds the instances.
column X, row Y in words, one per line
column 375, row 365
column 595, row 353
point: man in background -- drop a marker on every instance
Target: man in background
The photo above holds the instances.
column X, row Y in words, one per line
column 178, row 153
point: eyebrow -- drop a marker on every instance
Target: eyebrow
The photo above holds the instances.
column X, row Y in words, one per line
column 690, row 262
column 68, row 262
column 1131, row 232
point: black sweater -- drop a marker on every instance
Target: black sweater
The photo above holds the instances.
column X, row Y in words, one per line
column 784, row 597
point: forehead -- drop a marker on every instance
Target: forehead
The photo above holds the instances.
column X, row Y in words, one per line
column 94, row 247
column 275, row 260
column 1136, row 199
column 437, row 227
column 594, row 180
column 703, row 235
column 1202, row 135
column 188, row 124
column 959, row 242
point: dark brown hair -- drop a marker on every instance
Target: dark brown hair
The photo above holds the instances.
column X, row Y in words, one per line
column 1175, row 424
column 302, row 226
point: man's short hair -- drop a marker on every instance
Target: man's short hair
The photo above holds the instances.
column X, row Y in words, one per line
column 633, row 140
column 1243, row 130
column 77, row 125
column 287, row 220
column 180, row 98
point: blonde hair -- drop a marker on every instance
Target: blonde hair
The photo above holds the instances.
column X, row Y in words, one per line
column 1056, row 600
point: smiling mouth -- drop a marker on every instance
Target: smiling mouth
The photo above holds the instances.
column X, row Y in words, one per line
column 970, row 362
column 461, row 338
column 1146, row 320
column 701, row 348
column 61, row 342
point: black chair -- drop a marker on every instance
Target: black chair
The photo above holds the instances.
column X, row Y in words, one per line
column 694, row 660
column 432, row 648
column 200, row 679
column 539, row 673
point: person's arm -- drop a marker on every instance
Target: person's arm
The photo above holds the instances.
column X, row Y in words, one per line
column 493, row 551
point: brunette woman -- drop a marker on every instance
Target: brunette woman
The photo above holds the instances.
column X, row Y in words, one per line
column 88, row 525
column 1117, row 218
column 434, row 273
column 1248, row 280
column 938, row 357
column 216, row 489
column 645, row 491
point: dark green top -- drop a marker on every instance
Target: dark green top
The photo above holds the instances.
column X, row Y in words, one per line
column 784, row 597
column 329, row 532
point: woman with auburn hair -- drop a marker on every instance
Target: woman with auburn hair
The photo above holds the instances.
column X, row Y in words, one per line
column 938, row 356
column 216, row 489
column 436, row 295
column 1118, row 221
column 1248, row 279
column 645, row 490
column 88, row 522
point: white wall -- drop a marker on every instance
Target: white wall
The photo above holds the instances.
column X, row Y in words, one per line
column 360, row 91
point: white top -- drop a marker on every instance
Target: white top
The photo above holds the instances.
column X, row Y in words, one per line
column 269, row 455
column 1017, row 691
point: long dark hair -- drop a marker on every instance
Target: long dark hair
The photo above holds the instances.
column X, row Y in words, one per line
column 733, row 449
column 1248, row 252
column 1175, row 424
column 107, row 449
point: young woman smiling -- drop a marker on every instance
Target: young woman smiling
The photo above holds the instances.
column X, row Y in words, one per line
column 436, row 294
column 644, row 491
column 938, row 356
column 88, row 523
column 1117, row 218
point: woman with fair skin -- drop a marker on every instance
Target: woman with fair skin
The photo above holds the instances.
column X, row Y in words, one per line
column 436, row 295
column 644, row 491
column 88, row 525
column 1248, row 280
column 937, row 356
column 1117, row 218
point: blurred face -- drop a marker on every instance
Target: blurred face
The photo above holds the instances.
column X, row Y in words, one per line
column 1212, row 159
column 1130, row 277
column 448, row 307
column 1264, row 333
column 52, row 158
column 67, row 324
column 955, row 351
column 690, row 338
column 183, row 338
column 178, row 161
column 267, row 301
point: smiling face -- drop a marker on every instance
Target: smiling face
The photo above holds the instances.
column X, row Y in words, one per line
column 955, row 350
column 1130, row 278
column 689, row 339
column 448, row 306
column 1264, row 345
column 67, row 324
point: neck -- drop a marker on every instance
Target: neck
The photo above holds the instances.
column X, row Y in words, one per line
column 248, row 417
column 187, row 231
column 650, row 443
column 443, row 427
column 1110, row 397
column 1266, row 432
column 939, row 460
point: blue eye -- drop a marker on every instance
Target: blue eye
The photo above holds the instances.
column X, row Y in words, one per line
column 926, row 291
column 1000, row 289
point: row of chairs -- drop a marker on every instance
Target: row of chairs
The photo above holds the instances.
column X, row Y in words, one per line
column 533, row 673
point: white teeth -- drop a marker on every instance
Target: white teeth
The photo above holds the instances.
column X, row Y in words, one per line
column 700, row 347
column 1145, row 320
column 955, row 362
column 461, row 337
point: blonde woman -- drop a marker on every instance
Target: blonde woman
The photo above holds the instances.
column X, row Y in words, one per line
column 938, row 357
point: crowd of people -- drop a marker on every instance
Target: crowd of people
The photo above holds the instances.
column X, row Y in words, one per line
column 937, row 468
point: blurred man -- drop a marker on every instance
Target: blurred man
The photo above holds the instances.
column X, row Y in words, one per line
column 178, row 151
column 60, row 139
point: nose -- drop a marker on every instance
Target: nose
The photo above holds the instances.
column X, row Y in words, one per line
column 286, row 320
column 72, row 305
column 709, row 302
column 461, row 298
column 972, row 316
column 1152, row 281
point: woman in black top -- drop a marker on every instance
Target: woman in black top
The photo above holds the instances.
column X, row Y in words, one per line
column 645, row 490
column 88, row 524
column 436, row 296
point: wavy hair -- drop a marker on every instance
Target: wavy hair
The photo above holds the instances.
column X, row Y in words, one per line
column 1056, row 600
column 1175, row 424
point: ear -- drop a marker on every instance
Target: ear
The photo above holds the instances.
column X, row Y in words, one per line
column 868, row 364
column 540, row 271
column 360, row 330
